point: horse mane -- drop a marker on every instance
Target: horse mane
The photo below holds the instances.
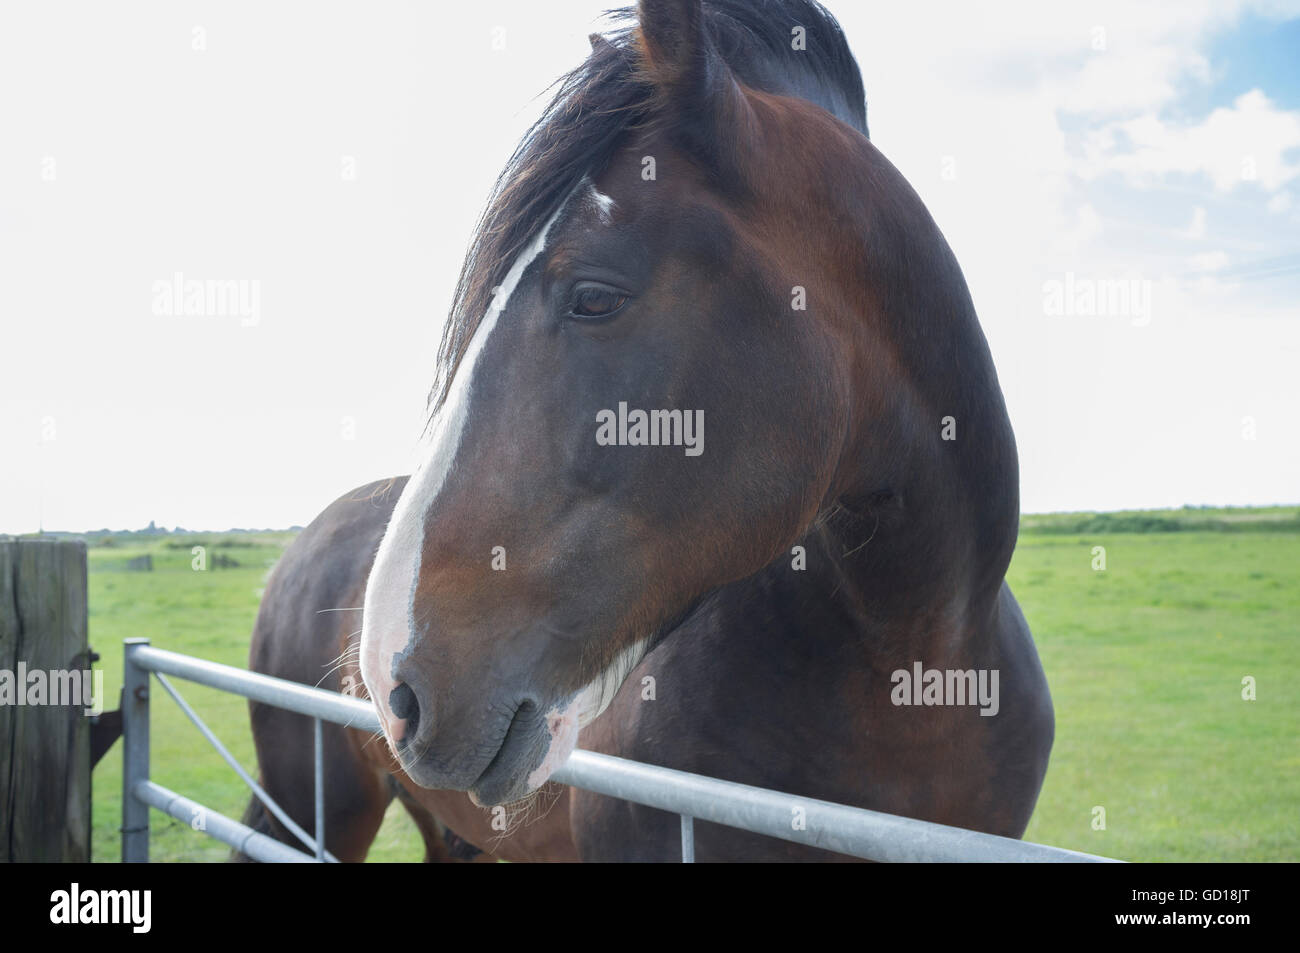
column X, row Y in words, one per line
column 607, row 97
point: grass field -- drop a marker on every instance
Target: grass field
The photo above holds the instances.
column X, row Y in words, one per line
column 208, row 614
column 1146, row 660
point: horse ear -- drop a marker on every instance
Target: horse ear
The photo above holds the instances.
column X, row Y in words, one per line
column 674, row 43
column 699, row 96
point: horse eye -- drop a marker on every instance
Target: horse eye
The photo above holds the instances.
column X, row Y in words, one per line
column 596, row 301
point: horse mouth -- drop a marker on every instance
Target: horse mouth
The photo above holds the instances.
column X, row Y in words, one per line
column 505, row 778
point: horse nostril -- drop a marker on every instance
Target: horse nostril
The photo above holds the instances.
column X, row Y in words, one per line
column 403, row 704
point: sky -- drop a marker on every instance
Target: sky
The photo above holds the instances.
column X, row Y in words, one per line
column 1120, row 182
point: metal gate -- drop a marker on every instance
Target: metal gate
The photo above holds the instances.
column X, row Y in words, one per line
column 835, row 827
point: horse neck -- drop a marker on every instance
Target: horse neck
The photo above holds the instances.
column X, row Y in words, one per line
column 914, row 568
column 918, row 530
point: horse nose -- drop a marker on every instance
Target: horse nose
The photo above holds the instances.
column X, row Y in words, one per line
column 405, row 706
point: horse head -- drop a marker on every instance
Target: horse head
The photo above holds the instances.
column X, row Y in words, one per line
column 666, row 358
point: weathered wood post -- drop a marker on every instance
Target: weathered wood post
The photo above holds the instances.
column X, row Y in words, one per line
column 44, row 730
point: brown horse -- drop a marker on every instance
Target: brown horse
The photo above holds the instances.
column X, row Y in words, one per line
column 812, row 600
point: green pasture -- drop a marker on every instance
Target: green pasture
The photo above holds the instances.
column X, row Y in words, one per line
column 1146, row 659
column 207, row 613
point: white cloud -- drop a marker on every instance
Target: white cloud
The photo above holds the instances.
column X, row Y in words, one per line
column 1280, row 202
column 1121, row 81
column 1233, row 146
column 1210, row 261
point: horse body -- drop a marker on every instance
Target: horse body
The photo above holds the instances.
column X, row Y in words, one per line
column 753, row 692
column 743, row 614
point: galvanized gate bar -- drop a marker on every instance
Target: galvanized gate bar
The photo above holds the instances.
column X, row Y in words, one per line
column 836, row 827
column 140, row 660
column 135, row 754
column 258, row 792
column 688, row 839
column 319, row 792
column 239, row 836
column 304, row 699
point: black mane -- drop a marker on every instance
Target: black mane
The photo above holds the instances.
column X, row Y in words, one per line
column 754, row 38
column 606, row 97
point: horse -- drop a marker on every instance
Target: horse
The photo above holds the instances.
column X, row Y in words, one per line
column 807, row 595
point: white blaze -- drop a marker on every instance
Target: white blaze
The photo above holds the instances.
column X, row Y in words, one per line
column 565, row 721
column 604, row 204
column 388, row 618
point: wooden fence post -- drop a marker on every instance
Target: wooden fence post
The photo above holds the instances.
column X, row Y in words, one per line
column 44, row 748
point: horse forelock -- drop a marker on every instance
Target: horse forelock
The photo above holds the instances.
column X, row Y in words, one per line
column 608, row 96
